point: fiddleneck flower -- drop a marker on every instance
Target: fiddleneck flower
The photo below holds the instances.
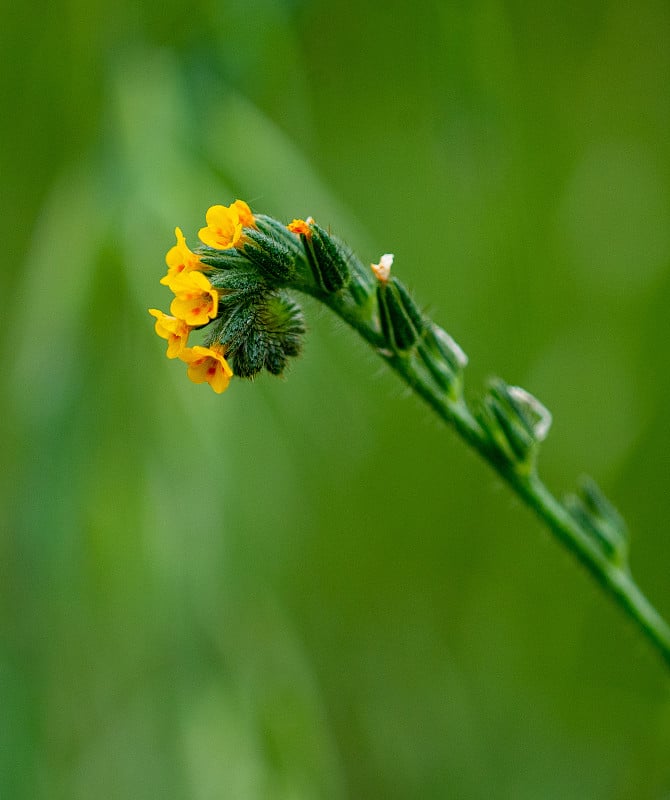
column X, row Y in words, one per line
column 225, row 225
column 175, row 330
column 196, row 301
column 208, row 365
column 180, row 259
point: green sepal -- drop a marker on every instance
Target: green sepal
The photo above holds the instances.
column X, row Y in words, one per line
column 384, row 317
column 442, row 372
column 246, row 281
column 517, row 436
column 504, row 430
column 443, row 345
column 260, row 333
column 271, row 255
column 310, row 255
column 411, row 309
column 444, row 359
column 359, row 286
column 594, row 512
column 515, row 421
column 222, row 259
column 488, row 420
column 600, row 506
column 274, row 229
column 523, row 407
column 284, row 324
column 329, row 263
column 398, row 325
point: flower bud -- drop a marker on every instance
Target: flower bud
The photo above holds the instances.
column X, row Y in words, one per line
column 222, row 259
column 400, row 331
column 360, row 286
column 444, row 359
column 515, row 421
column 270, row 255
column 402, row 322
column 331, row 260
column 440, row 342
column 261, row 332
column 325, row 255
column 598, row 517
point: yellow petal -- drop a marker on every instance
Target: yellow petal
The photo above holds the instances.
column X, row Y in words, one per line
column 219, row 379
column 244, row 213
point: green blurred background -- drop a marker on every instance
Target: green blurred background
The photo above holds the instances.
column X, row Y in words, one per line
column 308, row 588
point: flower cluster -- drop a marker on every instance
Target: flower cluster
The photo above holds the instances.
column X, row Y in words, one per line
column 196, row 301
column 231, row 292
column 230, row 289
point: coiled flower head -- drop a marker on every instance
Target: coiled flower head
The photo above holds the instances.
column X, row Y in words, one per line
column 244, row 320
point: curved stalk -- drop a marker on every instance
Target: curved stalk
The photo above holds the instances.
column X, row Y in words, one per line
column 614, row 577
column 252, row 260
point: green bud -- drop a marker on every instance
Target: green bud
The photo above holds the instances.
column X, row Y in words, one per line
column 402, row 323
column 261, row 333
column 444, row 358
column 271, row 255
column 515, row 421
column 222, row 259
column 524, row 408
column 441, row 343
column 409, row 305
column 282, row 320
column 442, row 375
column 327, row 259
column 384, row 318
column 599, row 505
column 594, row 512
column 276, row 230
column 360, row 285
column 517, row 437
column 232, row 283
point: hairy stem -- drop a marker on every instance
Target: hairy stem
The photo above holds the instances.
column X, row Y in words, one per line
column 260, row 328
column 614, row 577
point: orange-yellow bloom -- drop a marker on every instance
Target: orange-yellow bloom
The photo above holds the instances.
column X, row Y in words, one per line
column 207, row 364
column 224, row 229
column 175, row 330
column 300, row 226
column 180, row 259
column 246, row 217
column 225, row 223
column 196, row 301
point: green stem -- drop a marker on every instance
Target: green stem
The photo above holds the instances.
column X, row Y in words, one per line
column 614, row 578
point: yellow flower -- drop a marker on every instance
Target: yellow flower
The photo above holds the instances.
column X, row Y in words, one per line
column 225, row 223
column 301, row 226
column 196, row 301
column 175, row 330
column 180, row 259
column 246, row 217
column 208, row 364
